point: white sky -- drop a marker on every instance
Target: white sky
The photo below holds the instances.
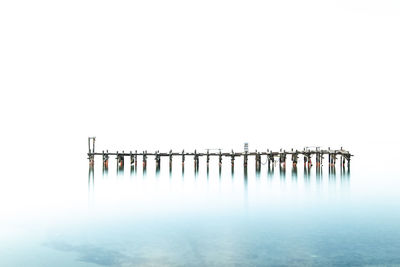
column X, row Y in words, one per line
column 198, row 74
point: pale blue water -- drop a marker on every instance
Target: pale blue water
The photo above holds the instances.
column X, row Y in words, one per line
column 71, row 218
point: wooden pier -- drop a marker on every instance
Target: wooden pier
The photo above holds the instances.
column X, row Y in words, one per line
column 308, row 155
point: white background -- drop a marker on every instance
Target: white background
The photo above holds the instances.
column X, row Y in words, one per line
column 196, row 74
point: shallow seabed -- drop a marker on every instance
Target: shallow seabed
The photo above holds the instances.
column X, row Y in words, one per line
column 135, row 218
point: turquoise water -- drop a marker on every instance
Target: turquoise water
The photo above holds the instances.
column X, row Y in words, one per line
column 73, row 217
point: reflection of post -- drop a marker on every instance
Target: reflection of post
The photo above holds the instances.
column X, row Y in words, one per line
column 91, row 178
column 294, row 171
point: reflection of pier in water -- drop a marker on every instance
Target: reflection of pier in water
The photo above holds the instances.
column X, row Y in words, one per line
column 308, row 155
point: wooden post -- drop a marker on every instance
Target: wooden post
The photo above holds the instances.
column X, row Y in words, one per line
column 144, row 160
column 233, row 161
column 135, row 160
column 348, row 163
column 105, row 160
column 196, row 161
column 220, row 163
column 170, row 161
column 256, row 160
column 132, row 159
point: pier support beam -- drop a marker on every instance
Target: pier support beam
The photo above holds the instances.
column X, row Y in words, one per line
column 105, row 160
column 91, row 144
column 196, row 161
column 144, row 160
column 245, row 159
column 132, row 159
column 258, row 162
column 120, row 161
column 158, row 161
column 170, row 161
column 233, row 161
column 135, row 158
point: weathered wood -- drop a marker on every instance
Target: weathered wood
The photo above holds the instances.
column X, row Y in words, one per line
column 271, row 155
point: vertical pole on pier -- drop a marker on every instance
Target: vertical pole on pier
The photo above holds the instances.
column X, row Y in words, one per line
column 121, row 159
column 220, row 162
column 270, row 159
column 104, row 159
column 91, row 151
column 245, row 159
column 183, row 160
column 195, row 161
column 294, row 160
column 158, row 161
column 348, row 162
column 233, row 161
column 282, row 165
column 334, row 160
column 132, row 162
column 105, row 162
column 144, row 160
column 117, row 158
column 170, row 161
column 208, row 162
column 256, row 160
column 341, row 161
column 135, row 160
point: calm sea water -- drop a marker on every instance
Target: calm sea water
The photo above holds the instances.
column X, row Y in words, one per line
column 68, row 216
